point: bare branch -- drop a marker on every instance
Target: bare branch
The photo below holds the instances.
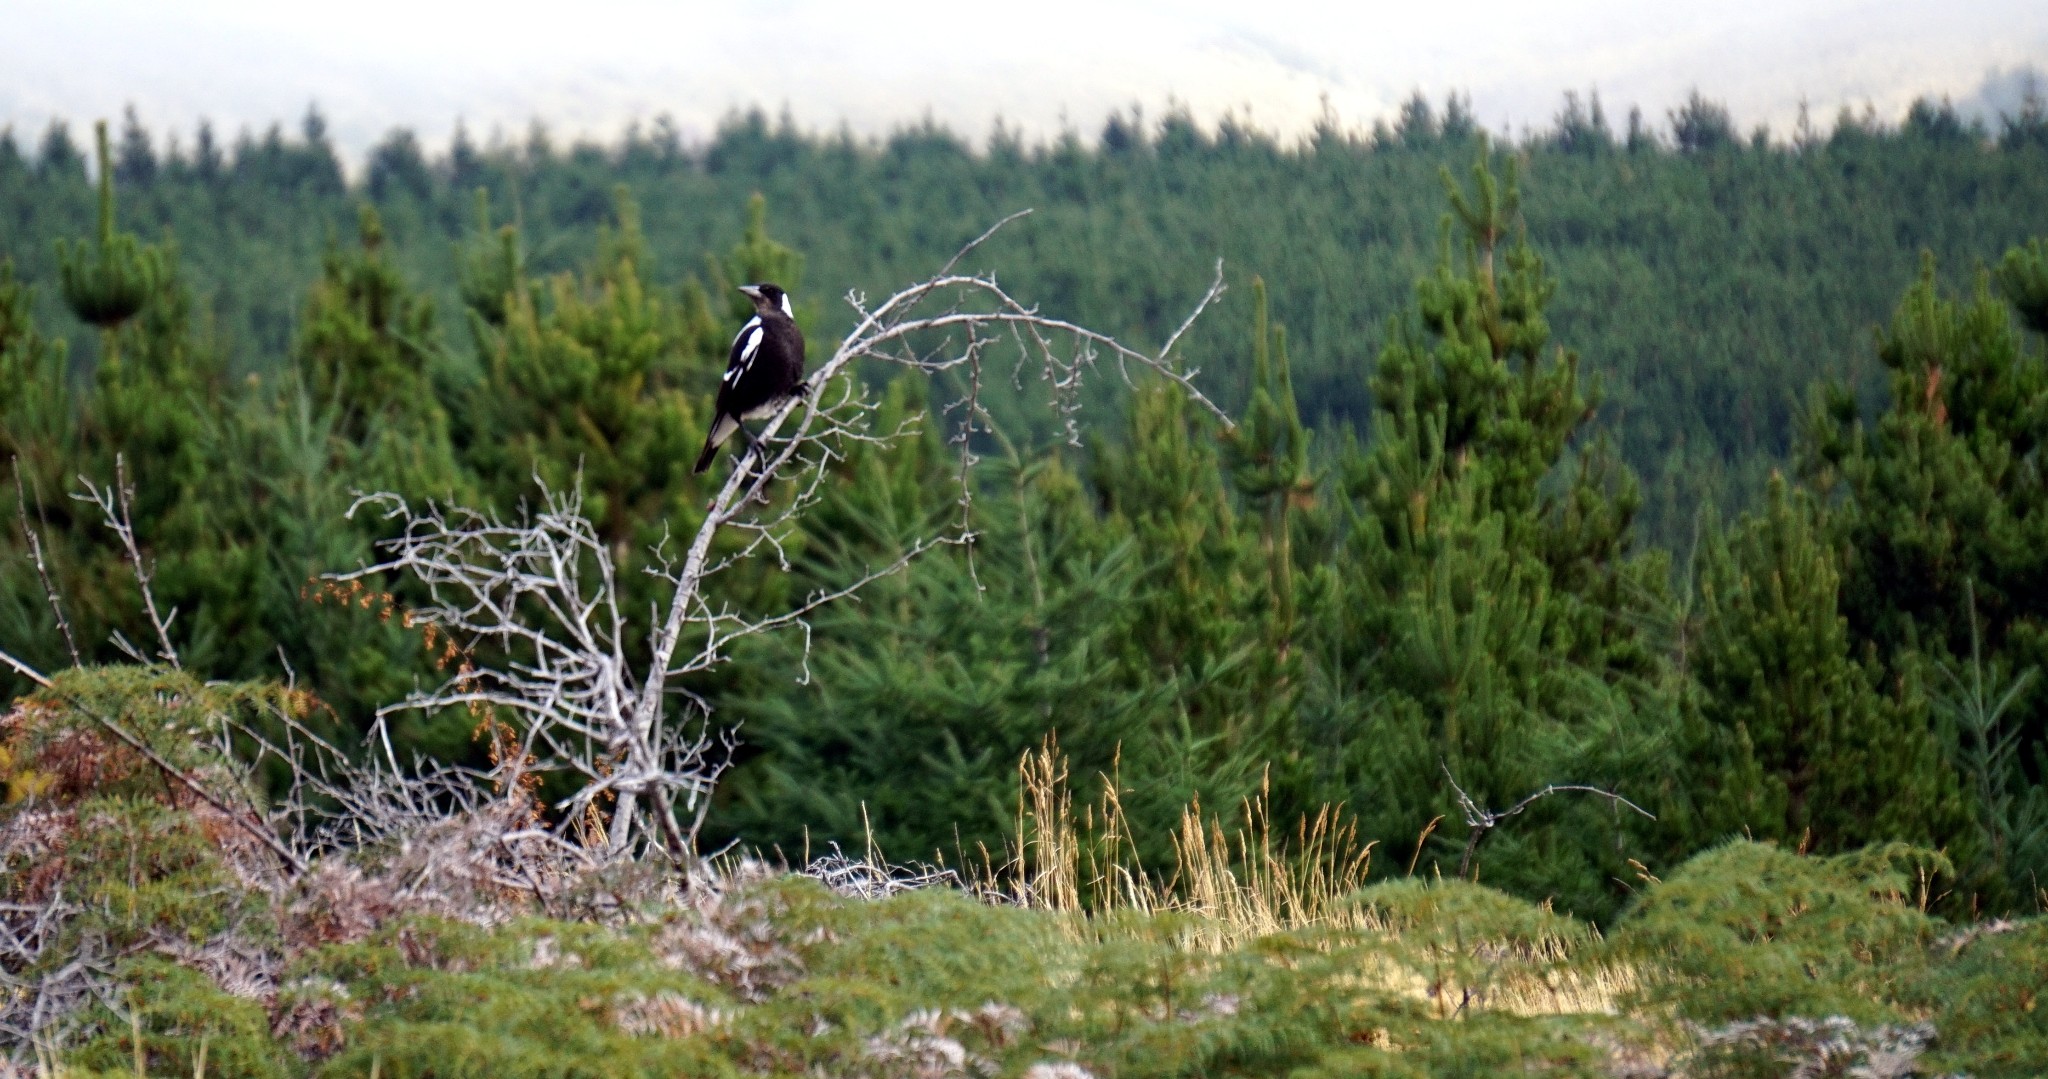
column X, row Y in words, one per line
column 1480, row 820
column 116, row 509
column 978, row 306
column 874, row 878
column 35, row 550
column 1216, row 288
column 25, row 670
column 39, row 999
column 542, row 592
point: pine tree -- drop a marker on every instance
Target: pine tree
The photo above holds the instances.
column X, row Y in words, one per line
column 399, row 166
column 1702, row 126
column 57, row 157
column 490, row 269
column 1476, row 401
column 145, row 418
column 14, row 170
column 1944, row 519
column 758, row 257
column 1481, row 615
column 1940, row 494
column 106, row 283
column 2023, row 278
column 1267, row 456
column 35, row 392
column 1806, row 747
column 38, row 446
column 314, row 168
column 138, row 161
column 367, row 352
column 585, row 376
column 1123, row 637
column 1210, row 626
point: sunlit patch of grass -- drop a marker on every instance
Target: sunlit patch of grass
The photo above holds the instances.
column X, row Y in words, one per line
column 1229, row 890
column 1233, row 887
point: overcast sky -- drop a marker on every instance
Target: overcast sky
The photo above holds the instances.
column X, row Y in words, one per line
column 591, row 68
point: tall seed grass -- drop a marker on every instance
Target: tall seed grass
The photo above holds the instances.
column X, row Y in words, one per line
column 1234, row 885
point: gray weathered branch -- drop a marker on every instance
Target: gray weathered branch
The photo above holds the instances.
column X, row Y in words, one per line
column 1480, row 820
column 542, row 591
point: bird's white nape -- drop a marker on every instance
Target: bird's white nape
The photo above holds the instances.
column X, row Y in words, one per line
column 786, row 309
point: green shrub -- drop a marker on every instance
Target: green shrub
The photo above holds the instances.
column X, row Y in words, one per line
column 1750, row 929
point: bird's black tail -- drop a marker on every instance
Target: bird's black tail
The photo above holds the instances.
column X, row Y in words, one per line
column 704, row 459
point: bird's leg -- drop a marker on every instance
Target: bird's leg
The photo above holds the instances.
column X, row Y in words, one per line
column 753, row 458
column 758, row 455
column 743, row 458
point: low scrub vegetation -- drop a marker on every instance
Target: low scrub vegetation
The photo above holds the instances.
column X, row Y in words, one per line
column 148, row 932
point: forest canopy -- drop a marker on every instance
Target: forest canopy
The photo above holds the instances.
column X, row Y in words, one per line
column 1567, row 459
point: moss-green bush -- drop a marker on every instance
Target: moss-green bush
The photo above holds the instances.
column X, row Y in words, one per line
column 1984, row 990
column 885, row 988
column 1744, row 950
column 1752, row 930
column 51, row 746
column 183, row 1013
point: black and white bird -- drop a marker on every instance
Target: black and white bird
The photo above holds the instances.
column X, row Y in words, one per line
column 766, row 370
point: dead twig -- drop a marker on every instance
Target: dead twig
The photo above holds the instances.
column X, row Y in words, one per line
column 35, row 550
column 116, row 505
column 1480, row 820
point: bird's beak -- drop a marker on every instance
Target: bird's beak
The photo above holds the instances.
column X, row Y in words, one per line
column 753, row 292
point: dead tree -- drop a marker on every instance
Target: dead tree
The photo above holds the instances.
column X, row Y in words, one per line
column 542, row 590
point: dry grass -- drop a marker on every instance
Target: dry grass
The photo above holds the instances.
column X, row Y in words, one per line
column 1237, row 886
column 1229, row 888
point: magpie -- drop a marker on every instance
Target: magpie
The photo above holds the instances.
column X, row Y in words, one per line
column 765, row 370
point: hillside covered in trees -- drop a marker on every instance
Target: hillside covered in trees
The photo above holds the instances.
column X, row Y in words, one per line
column 1708, row 275
column 1574, row 462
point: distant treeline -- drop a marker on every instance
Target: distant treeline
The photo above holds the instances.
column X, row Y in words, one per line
column 1424, row 561
column 1708, row 276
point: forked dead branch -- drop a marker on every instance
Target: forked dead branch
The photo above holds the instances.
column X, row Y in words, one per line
column 541, row 592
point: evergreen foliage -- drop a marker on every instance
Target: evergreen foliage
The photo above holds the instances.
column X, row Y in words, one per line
column 1745, row 272
column 366, row 351
column 1391, row 575
column 107, row 283
column 1943, row 503
column 1477, row 586
column 1751, row 929
column 1808, row 748
column 2023, row 276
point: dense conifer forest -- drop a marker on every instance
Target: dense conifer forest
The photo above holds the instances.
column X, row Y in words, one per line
column 1750, row 263
column 1696, row 469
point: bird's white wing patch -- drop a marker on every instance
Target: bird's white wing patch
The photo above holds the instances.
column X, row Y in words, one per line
column 750, row 343
column 722, row 429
